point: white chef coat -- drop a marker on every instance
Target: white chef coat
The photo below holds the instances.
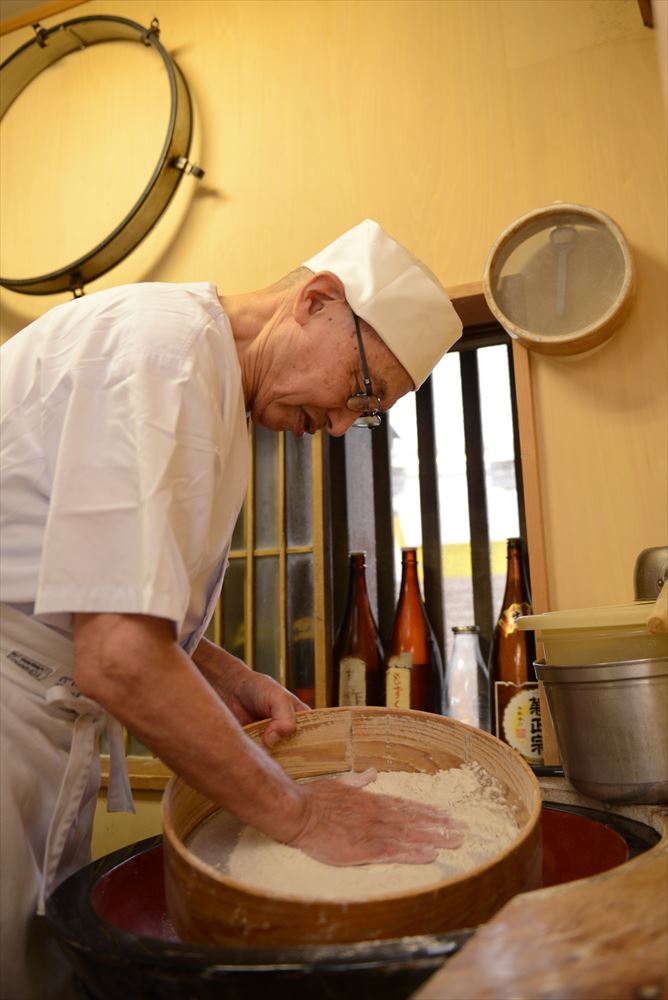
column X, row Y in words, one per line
column 123, row 458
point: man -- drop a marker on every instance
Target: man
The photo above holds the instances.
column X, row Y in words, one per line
column 124, row 469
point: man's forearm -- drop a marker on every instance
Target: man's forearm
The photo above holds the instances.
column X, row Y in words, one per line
column 133, row 667
column 217, row 665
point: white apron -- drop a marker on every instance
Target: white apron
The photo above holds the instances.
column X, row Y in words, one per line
column 50, row 777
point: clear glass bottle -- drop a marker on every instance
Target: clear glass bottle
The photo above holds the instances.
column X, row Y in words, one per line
column 357, row 667
column 414, row 669
column 467, row 679
column 514, row 699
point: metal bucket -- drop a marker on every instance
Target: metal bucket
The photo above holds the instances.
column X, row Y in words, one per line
column 611, row 724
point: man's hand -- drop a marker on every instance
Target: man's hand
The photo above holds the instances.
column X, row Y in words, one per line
column 347, row 826
column 249, row 695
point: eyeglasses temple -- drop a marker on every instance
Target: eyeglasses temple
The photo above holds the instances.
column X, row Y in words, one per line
column 365, row 370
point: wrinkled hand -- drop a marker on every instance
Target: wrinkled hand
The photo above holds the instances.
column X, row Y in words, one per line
column 248, row 694
column 257, row 696
column 347, row 826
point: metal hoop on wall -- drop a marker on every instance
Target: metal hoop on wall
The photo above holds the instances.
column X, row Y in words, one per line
column 52, row 44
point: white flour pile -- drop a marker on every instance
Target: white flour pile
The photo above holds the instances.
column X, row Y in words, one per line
column 469, row 793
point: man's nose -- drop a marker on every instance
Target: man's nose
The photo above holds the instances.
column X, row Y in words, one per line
column 338, row 421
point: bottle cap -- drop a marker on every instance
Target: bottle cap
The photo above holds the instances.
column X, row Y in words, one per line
column 465, row 628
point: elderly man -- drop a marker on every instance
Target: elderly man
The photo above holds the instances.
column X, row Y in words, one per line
column 124, row 469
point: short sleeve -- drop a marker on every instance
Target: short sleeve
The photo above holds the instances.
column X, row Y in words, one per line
column 132, row 525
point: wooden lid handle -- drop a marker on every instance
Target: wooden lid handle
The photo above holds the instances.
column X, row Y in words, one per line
column 657, row 622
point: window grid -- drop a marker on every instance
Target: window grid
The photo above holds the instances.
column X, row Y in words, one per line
column 380, row 562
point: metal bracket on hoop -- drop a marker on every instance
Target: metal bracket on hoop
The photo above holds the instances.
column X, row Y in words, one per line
column 21, row 68
column 181, row 163
column 152, row 32
column 41, row 34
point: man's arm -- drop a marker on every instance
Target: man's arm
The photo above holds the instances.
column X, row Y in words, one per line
column 133, row 666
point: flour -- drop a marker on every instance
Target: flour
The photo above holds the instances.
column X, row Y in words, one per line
column 469, row 793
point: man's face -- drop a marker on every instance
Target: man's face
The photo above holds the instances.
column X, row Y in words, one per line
column 313, row 369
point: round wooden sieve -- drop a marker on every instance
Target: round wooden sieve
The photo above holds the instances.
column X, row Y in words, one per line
column 207, row 906
column 560, row 279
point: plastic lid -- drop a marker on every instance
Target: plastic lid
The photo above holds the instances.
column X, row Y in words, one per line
column 608, row 616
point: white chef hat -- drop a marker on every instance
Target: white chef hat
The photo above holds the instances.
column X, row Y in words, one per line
column 395, row 293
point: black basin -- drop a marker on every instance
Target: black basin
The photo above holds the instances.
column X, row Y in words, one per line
column 111, row 920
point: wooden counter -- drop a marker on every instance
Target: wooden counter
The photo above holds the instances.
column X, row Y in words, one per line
column 601, row 938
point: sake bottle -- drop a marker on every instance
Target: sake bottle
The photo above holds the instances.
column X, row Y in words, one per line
column 467, row 679
column 357, row 667
column 514, row 700
column 414, row 670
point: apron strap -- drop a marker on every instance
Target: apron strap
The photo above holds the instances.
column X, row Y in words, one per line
column 43, row 661
column 89, row 718
column 70, row 794
column 119, row 793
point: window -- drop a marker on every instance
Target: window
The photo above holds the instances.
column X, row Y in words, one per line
column 271, row 613
column 475, row 481
column 447, row 478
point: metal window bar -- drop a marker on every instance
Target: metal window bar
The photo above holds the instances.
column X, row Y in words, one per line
column 432, row 568
column 384, row 529
column 477, row 494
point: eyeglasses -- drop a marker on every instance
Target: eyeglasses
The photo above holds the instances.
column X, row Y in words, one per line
column 366, row 403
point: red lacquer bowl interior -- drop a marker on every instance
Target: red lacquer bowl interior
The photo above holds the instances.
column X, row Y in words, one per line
column 132, row 895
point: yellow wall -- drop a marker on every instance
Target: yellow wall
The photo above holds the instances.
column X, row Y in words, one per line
column 445, row 121
column 114, row 830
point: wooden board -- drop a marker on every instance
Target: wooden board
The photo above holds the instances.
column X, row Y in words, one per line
column 604, row 937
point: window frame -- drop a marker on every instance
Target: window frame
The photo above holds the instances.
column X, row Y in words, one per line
column 373, row 496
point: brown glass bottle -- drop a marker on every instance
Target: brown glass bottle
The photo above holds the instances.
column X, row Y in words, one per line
column 357, row 668
column 414, row 669
column 514, row 701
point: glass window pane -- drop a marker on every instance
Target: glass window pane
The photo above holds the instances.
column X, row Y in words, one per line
column 301, row 649
column 453, row 495
column 239, row 533
column 265, row 481
column 137, row 748
column 266, row 617
column 405, row 484
column 233, row 606
column 298, row 452
column 497, row 429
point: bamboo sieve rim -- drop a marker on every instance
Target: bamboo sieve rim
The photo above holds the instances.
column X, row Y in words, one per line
column 254, row 730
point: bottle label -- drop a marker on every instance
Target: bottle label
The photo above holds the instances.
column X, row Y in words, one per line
column 398, row 681
column 352, row 681
column 509, row 616
column 518, row 720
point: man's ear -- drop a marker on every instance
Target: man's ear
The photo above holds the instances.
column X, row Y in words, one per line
column 315, row 294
